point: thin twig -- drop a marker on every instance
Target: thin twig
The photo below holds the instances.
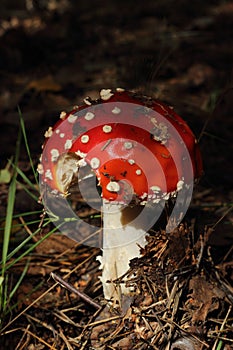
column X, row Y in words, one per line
column 222, row 327
column 69, row 347
column 74, row 290
column 42, row 295
column 63, row 317
column 201, row 251
column 21, row 344
column 28, row 307
column 51, row 347
column 27, row 229
column 185, row 331
column 96, row 323
column 42, row 323
column 222, row 217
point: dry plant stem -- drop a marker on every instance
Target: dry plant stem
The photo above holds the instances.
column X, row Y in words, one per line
column 72, row 289
column 62, row 335
column 38, row 339
column 222, row 327
column 42, row 323
column 120, row 245
column 23, row 342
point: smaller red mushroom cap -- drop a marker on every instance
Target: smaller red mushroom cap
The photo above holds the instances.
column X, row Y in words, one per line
column 138, row 148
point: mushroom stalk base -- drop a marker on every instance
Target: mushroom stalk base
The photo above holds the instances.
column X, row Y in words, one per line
column 121, row 243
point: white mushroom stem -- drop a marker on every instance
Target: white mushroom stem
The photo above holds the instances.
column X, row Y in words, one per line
column 121, row 243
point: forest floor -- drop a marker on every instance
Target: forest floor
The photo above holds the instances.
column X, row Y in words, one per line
column 51, row 58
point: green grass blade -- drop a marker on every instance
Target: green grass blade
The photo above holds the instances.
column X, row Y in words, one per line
column 10, row 296
column 28, row 213
column 4, row 293
column 10, row 206
column 28, row 295
column 220, row 344
column 12, row 263
column 24, row 177
column 8, row 222
column 21, row 225
column 27, row 145
column 21, row 245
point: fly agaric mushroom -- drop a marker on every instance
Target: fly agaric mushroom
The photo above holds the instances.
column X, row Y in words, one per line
column 141, row 152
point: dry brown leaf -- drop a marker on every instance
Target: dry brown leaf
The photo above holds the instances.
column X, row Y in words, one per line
column 204, row 298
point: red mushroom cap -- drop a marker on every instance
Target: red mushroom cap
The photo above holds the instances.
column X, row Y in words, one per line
column 138, row 148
